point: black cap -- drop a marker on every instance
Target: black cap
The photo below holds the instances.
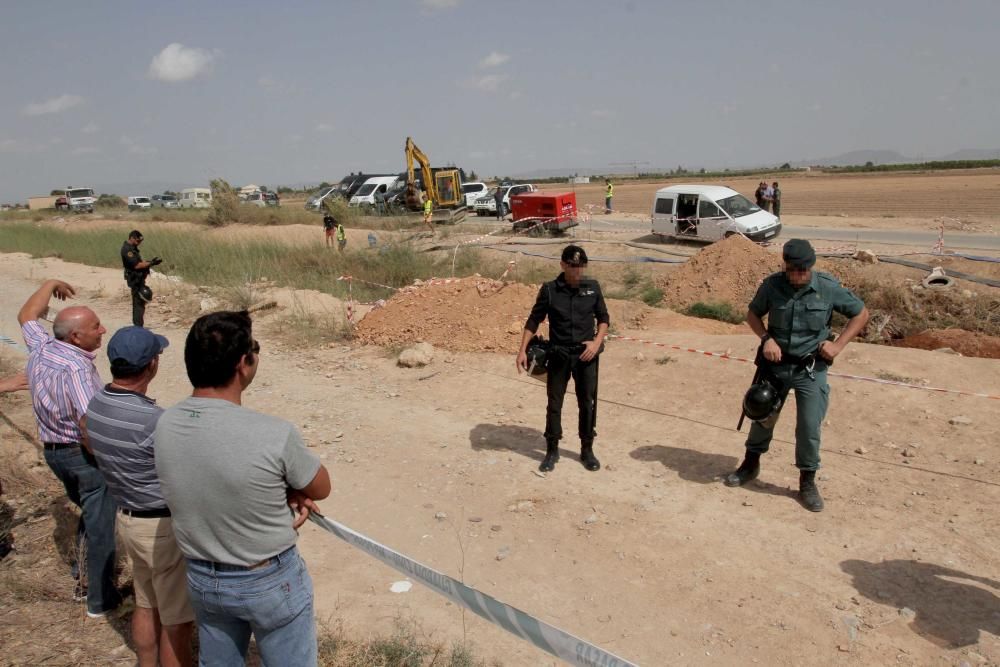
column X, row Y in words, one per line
column 134, row 234
column 574, row 255
column 799, row 253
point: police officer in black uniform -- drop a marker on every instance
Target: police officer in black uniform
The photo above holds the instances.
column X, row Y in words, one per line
column 578, row 322
column 136, row 272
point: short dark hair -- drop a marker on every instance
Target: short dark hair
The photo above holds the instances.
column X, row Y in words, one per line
column 121, row 370
column 134, row 234
column 215, row 345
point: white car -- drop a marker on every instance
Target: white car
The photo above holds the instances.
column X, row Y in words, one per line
column 710, row 213
column 137, row 203
column 488, row 205
column 473, row 191
column 164, row 201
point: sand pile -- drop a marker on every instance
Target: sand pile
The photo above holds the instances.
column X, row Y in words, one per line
column 964, row 342
column 725, row 272
column 470, row 315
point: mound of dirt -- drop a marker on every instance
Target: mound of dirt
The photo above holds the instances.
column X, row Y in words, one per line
column 467, row 315
column 725, row 272
column 964, row 342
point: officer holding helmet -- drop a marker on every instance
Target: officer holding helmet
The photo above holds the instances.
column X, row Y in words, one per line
column 136, row 272
column 799, row 304
column 578, row 323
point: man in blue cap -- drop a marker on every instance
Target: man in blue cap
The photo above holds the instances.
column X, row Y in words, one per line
column 121, row 420
column 796, row 350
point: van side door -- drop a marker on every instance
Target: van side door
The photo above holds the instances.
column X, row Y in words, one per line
column 663, row 216
column 712, row 221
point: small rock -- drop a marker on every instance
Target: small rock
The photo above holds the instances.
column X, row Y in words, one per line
column 909, row 452
column 843, row 648
column 440, row 516
column 907, row 614
column 639, row 356
column 475, row 519
column 747, row 503
column 948, row 350
column 866, row 257
column 539, row 473
column 496, row 528
column 593, row 518
column 979, row 462
column 419, row 355
column 503, row 553
column 907, row 503
column 861, row 450
column 960, row 421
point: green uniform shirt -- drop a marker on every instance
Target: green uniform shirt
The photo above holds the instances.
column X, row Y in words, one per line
column 799, row 319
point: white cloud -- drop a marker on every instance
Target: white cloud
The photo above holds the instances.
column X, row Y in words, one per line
column 85, row 150
column 324, row 127
column 439, row 4
column 495, row 59
column 180, row 63
column 489, row 83
column 91, row 128
column 55, row 105
column 135, row 148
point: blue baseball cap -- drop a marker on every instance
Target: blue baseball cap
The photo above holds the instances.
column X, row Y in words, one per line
column 132, row 348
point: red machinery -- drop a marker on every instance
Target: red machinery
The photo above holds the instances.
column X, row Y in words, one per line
column 542, row 212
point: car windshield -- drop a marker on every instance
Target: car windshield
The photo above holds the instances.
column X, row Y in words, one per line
column 142, row 200
column 167, row 198
column 365, row 190
column 737, row 206
column 472, row 187
column 203, row 195
column 82, row 192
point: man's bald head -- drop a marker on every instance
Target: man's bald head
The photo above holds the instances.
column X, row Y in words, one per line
column 79, row 326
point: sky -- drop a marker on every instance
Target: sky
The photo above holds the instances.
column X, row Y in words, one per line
column 289, row 93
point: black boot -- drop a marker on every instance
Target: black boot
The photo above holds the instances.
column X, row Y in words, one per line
column 587, row 457
column 809, row 492
column 551, row 456
column 747, row 471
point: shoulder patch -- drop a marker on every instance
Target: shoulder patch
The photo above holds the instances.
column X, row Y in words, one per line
column 131, row 254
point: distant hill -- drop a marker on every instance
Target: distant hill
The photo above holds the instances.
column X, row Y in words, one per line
column 973, row 154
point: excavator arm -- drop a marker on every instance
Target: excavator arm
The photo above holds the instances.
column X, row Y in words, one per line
column 413, row 153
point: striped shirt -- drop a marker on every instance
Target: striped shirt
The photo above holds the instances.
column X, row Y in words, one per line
column 62, row 379
column 120, row 425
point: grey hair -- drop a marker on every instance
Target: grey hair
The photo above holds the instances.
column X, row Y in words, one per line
column 62, row 328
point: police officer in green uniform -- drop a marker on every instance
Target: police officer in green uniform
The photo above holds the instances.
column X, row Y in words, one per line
column 578, row 323
column 799, row 304
column 136, row 272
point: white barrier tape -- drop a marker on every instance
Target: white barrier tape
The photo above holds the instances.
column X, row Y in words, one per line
column 861, row 378
column 351, row 279
column 547, row 637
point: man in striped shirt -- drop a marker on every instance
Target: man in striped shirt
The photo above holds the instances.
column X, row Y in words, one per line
column 120, row 424
column 62, row 379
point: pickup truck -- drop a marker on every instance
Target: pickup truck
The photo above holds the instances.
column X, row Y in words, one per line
column 76, row 199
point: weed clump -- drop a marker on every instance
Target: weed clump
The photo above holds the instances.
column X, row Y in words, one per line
column 721, row 311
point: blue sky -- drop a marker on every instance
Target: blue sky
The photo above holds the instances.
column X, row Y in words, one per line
column 128, row 92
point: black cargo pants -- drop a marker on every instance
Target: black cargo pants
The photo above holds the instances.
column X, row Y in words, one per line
column 562, row 363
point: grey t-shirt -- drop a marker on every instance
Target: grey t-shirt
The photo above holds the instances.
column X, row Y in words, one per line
column 224, row 470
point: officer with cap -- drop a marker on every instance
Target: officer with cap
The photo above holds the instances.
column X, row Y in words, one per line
column 578, row 322
column 799, row 304
column 136, row 272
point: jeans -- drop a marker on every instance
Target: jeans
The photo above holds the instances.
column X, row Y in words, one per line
column 274, row 603
column 607, row 204
column 812, row 397
column 564, row 362
column 85, row 486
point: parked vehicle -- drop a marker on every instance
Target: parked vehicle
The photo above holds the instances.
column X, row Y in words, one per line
column 544, row 212
column 196, row 198
column 139, row 203
column 164, row 201
column 365, row 196
column 76, row 199
column 488, row 206
column 346, row 188
column 272, row 199
column 260, row 199
column 710, row 213
column 473, row 191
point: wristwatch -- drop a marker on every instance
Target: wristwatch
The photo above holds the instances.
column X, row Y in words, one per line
column 764, row 337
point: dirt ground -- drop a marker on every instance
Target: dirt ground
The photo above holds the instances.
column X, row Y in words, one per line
column 652, row 557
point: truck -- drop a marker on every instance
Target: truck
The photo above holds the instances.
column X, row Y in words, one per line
column 76, row 199
column 544, row 212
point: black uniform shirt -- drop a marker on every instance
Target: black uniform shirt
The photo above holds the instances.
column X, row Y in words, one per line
column 131, row 257
column 573, row 312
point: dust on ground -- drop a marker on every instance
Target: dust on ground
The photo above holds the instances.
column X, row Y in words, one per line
column 967, row 343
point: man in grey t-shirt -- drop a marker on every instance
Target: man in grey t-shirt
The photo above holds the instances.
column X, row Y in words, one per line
column 229, row 475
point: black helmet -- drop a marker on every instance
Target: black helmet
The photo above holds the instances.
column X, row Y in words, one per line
column 761, row 401
column 145, row 294
column 538, row 349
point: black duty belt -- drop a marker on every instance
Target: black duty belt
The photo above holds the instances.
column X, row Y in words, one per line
column 158, row 513
column 52, row 446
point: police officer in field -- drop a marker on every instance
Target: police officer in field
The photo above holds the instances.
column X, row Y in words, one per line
column 578, row 323
column 136, row 272
column 799, row 304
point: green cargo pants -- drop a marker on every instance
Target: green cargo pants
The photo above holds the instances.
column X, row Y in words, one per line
column 812, row 396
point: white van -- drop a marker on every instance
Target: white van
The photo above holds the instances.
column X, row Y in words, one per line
column 710, row 213
column 366, row 193
column 196, row 198
column 473, row 191
column 136, row 203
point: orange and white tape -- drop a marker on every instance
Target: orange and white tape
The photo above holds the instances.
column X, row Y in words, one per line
column 846, row 376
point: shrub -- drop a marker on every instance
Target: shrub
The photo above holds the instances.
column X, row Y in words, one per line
column 651, row 296
column 225, row 204
column 722, row 311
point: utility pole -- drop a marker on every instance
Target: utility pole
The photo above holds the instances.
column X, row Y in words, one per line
column 634, row 164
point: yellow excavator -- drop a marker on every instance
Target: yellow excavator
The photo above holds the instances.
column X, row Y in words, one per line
column 442, row 186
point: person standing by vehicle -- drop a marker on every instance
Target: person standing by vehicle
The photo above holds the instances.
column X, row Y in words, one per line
column 229, row 475
column 329, row 228
column 775, row 200
column 429, row 213
column 578, row 323
column 498, row 200
column 120, row 424
column 341, row 237
column 759, row 196
column 799, row 304
column 136, row 272
column 609, row 192
column 63, row 379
